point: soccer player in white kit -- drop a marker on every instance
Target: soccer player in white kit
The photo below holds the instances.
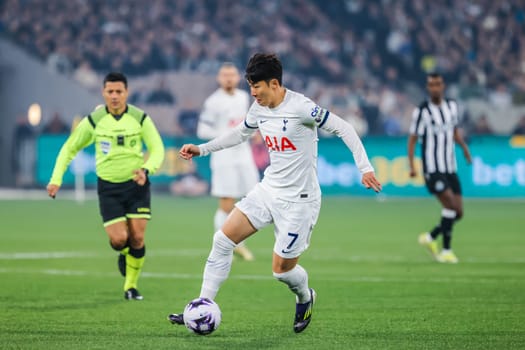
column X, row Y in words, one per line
column 289, row 194
column 233, row 170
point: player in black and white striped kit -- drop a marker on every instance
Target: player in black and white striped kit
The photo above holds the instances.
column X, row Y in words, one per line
column 435, row 124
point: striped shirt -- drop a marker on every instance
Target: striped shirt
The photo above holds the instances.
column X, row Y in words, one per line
column 435, row 125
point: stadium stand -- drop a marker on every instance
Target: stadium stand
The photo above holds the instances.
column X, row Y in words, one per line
column 361, row 58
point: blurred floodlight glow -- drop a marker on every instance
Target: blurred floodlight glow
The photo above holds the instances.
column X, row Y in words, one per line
column 34, row 114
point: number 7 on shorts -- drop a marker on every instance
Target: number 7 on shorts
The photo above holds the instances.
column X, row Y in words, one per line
column 294, row 238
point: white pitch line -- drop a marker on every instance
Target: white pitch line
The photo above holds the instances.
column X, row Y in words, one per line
column 44, row 255
column 403, row 259
column 356, row 279
column 77, row 255
column 334, row 257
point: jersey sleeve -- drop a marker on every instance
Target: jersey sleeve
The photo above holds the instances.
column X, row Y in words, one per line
column 154, row 144
column 231, row 138
column 335, row 125
column 454, row 109
column 81, row 137
column 313, row 114
column 206, row 128
column 251, row 117
column 415, row 124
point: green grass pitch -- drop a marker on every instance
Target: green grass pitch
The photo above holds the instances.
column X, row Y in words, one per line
column 377, row 289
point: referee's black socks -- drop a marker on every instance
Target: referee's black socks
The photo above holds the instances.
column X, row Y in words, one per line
column 134, row 261
column 137, row 253
column 119, row 248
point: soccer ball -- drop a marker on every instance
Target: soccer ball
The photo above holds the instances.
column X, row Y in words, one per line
column 202, row 316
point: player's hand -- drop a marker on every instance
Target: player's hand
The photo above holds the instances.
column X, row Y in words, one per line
column 187, row 151
column 369, row 181
column 412, row 172
column 52, row 190
column 140, row 177
column 468, row 157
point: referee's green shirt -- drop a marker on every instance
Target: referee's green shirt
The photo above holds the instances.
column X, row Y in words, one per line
column 118, row 144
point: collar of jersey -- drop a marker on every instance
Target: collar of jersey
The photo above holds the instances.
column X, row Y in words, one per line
column 439, row 105
column 118, row 116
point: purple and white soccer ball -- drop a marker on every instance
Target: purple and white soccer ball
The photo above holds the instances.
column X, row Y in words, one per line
column 202, row 316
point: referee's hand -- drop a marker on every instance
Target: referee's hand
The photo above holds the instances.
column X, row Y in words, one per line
column 140, row 177
column 52, row 190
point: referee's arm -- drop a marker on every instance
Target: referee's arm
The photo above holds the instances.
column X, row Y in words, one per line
column 80, row 138
column 154, row 144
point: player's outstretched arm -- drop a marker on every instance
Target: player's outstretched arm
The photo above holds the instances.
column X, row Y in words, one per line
column 229, row 139
column 369, row 181
column 335, row 125
column 188, row 151
column 347, row 133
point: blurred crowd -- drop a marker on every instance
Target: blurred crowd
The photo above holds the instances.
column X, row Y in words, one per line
column 364, row 59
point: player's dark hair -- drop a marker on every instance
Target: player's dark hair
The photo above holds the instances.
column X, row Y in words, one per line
column 264, row 67
column 434, row 75
column 115, row 77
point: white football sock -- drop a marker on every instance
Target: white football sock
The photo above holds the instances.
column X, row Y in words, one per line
column 219, row 219
column 297, row 280
column 217, row 266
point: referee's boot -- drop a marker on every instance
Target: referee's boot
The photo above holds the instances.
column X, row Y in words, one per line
column 133, row 294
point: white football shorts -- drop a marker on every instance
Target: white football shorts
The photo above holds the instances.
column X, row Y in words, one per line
column 293, row 221
column 233, row 181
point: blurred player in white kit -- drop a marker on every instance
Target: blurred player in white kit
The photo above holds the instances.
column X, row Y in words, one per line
column 233, row 170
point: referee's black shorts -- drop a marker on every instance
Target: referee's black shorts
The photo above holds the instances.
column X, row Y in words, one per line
column 439, row 182
column 122, row 201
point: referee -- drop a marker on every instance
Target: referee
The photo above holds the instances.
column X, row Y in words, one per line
column 435, row 124
column 118, row 131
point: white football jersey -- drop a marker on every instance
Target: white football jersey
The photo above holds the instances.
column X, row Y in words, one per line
column 290, row 132
column 221, row 113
